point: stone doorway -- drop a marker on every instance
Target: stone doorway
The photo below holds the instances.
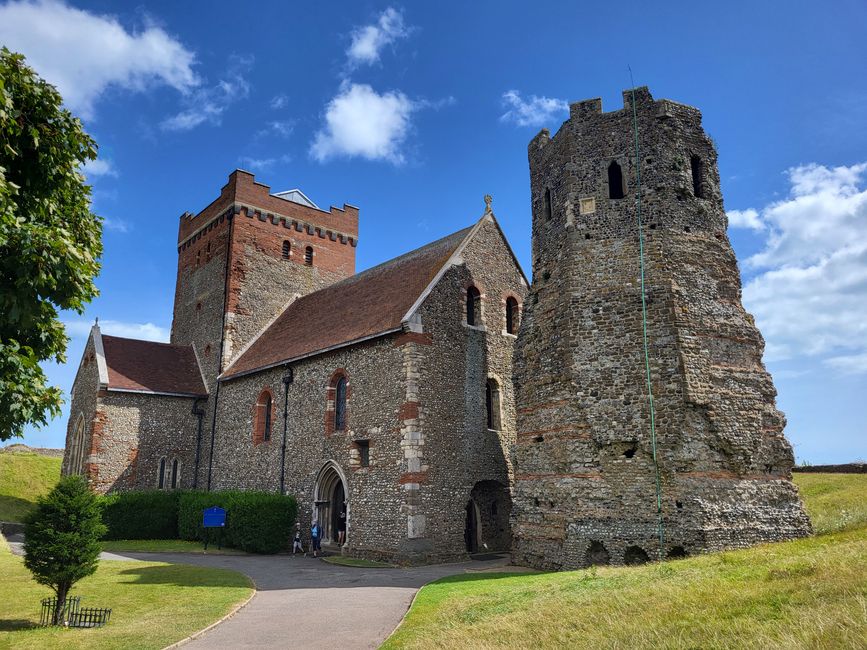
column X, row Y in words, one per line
column 330, row 501
column 487, row 526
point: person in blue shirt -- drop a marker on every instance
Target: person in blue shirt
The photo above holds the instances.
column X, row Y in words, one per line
column 316, row 538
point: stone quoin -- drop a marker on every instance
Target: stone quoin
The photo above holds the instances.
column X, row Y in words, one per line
column 439, row 402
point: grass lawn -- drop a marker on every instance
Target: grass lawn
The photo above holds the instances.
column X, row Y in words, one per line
column 24, row 476
column 809, row 593
column 165, row 546
column 356, row 562
column 153, row 604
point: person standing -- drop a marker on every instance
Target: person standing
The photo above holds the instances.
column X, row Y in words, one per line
column 316, row 538
column 341, row 527
column 296, row 541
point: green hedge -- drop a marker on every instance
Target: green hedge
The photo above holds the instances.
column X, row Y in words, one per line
column 152, row 514
column 256, row 522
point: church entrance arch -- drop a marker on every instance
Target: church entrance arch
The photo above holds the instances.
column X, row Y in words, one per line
column 330, row 501
column 486, row 525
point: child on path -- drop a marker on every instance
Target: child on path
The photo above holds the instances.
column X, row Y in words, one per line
column 296, row 541
column 315, row 538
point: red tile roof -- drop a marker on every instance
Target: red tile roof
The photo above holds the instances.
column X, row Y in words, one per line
column 365, row 305
column 152, row 367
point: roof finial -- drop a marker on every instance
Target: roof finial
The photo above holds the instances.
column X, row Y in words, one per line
column 488, row 199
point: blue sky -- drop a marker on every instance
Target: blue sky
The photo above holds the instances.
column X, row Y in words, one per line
column 414, row 111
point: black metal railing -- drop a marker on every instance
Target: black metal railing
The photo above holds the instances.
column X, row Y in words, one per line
column 73, row 614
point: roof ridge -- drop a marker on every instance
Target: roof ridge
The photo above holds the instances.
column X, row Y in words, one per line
column 128, row 338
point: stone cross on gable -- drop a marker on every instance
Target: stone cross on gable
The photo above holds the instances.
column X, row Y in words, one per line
column 488, row 199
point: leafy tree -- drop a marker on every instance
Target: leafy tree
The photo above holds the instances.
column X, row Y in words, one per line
column 61, row 538
column 50, row 242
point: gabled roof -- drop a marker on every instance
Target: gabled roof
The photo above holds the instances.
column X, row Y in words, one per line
column 372, row 303
column 148, row 367
column 297, row 196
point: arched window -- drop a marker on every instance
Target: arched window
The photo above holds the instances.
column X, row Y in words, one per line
column 615, row 181
column 340, row 405
column 547, row 206
column 287, row 248
column 263, row 417
column 511, row 315
column 474, row 306
column 175, row 474
column 161, row 477
column 308, row 256
column 492, row 404
column 697, row 168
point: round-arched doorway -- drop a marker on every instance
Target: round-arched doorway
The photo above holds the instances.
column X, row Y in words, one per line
column 330, row 502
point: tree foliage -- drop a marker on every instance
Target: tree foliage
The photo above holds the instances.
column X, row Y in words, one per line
column 61, row 537
column 50, row 241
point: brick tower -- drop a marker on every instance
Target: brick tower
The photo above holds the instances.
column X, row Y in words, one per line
column 585, row 477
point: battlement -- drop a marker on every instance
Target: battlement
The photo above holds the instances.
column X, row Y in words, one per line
column 242, row 193
column 587, row 114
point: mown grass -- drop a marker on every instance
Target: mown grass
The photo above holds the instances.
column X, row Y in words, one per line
column 24, row 477
column 165, row 546
column 153, row 604
column 809, row 593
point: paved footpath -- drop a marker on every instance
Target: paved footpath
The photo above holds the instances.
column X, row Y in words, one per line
column 306, row 603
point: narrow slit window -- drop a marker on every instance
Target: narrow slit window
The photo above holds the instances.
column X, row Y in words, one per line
column 697, row 173
column 175, row 474
column 492, row 404
column 287, row 248
column 473, row 306
column 547, row 207
column 615, row 181
column 511, row 315
column 266, row 431
column 308, row 256
column 340, row 405
column 161, row 477
column 363, row 452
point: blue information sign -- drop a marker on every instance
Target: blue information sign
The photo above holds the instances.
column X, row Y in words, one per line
column 214, row 517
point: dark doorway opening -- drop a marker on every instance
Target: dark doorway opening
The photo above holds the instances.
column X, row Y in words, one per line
column 471, row 528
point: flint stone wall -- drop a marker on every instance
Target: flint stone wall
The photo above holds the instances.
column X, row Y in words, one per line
column 584, row 458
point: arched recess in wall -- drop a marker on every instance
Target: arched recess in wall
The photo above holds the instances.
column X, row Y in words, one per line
column 263, row 417
column 513, row 315
column 616, row 187
column 176, row 474
column 492, row 404
column 161, row 474
column 330, row 499
column 474, row 306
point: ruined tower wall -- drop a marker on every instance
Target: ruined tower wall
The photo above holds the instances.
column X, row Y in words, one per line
column 585, row 477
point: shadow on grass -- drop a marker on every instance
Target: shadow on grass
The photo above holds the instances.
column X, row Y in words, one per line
column 181, row 575
column 14, row 625
column 14, row 509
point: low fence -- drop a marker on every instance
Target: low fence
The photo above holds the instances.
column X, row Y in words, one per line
column 73, row 614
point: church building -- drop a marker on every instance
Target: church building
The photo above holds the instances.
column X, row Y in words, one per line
column 383, row 396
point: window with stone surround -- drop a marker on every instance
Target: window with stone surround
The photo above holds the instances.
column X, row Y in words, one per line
column 616, row 187
column 308, row 256
column 474, row 306
column 492, row 404
column 176, row 474
column 337, row 402
column 161, row 476
column 263, row 417
column 513, row 312
column 340, row 405
column 287, row 249
column 363, row 447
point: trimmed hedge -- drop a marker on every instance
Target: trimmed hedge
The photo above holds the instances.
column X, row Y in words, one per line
column 256, row 522
column 152, row 514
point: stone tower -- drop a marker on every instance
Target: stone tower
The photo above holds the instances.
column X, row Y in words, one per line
column 248, row 254
column 585, row 477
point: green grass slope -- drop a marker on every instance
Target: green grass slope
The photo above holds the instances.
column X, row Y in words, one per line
column 809, row 593
column 153, row 604
column 24, row 477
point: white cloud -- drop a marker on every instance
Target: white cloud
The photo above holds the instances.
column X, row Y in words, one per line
column 207, row 105
column 99, row 167
column 263, row 164
column 279, row 101
column 368, row 41
column 83, row 54
column 745, row 219
column 117, row 225
column 359, row 122
column 144, row 331
column 809, row 285
column 279, row 128
column 535, row 111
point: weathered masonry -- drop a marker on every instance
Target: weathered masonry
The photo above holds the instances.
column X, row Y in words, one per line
column 585, row 476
